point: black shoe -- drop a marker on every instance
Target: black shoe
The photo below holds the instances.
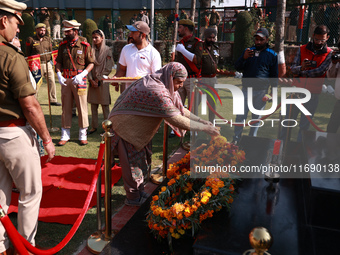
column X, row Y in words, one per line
column 56, row 104
column 172, row 135
column 92, row 131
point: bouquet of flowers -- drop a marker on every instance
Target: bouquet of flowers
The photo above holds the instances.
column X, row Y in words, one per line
column 185, row 202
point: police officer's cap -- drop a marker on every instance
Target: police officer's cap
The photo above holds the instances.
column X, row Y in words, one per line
column 70, row 24
column 40, row 25
column 186, row 22
column 14, row 8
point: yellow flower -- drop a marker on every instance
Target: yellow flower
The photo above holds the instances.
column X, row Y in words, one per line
column 187, row 212
column 163, row 189
column 181, row 231
column 176, row 235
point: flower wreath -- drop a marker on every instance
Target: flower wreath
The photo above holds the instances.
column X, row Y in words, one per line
column 185, row 202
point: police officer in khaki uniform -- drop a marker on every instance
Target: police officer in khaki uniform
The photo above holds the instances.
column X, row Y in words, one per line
column 19, row 156
column 210, row 57
column 189, row 53
column 39, row 44
column 75, row 61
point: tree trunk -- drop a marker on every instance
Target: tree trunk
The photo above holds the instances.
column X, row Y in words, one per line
column 279, row 36
column 175, row 30
column 193, row 9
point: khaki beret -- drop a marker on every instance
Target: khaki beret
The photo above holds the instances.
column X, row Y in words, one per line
column 40, row 25
column 186, row 22
column 70, row 24
column 13, row 7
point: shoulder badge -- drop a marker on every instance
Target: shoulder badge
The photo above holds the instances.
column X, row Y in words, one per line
column 85, row 43
column 198, row 39
column 63, row 42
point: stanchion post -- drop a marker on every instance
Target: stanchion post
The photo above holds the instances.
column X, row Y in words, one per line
column 97, row 241
column 99, row 201
column 107, row 125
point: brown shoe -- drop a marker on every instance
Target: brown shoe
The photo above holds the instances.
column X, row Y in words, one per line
column 62, row 142
column 83, row 142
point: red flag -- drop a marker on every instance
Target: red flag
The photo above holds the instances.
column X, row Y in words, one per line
column 35, row 67
column 54, row 56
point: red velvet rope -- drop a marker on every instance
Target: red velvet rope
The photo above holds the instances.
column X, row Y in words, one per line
column 13, row 235
column 20, row 242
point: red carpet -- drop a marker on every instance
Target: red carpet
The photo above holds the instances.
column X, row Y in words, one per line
column 66, row 182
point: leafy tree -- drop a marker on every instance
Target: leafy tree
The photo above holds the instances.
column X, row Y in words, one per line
column 88, row 27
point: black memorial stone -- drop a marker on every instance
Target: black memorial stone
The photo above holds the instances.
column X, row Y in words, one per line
column 135, row 237
column 301, row 213
column 275, row 207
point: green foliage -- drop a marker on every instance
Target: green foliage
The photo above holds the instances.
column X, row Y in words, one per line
column 165, row 34
column 26, row 30
column 88, row 27
column 243, row 34
column 101, row 23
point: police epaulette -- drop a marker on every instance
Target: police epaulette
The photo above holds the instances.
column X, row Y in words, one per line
column 85, row 43
column 63, row 42
column 198, row 39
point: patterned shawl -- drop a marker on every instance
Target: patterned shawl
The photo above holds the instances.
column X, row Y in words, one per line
column 153, row 95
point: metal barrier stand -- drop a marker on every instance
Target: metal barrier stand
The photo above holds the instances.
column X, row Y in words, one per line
column 97, row 241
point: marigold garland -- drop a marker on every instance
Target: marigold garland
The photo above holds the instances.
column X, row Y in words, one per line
column 185, row 202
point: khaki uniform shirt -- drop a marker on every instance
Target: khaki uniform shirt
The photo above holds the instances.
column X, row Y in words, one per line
column 194, row 45
column 210, row 60
column 34, row 46
column 14, row 81
column 81, row 54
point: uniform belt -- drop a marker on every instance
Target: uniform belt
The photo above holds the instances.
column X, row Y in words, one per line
column 69, row 73
column 209, row 75
column 13, row 123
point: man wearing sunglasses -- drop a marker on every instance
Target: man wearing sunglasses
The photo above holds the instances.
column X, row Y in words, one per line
column 309, row 69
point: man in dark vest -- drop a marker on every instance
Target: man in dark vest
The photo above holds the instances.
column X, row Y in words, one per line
column 309, row 67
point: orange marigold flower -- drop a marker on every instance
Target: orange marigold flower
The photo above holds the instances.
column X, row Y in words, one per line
column 155, row 198
column 215, row 191
column 172, row 181
column 177, row 208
